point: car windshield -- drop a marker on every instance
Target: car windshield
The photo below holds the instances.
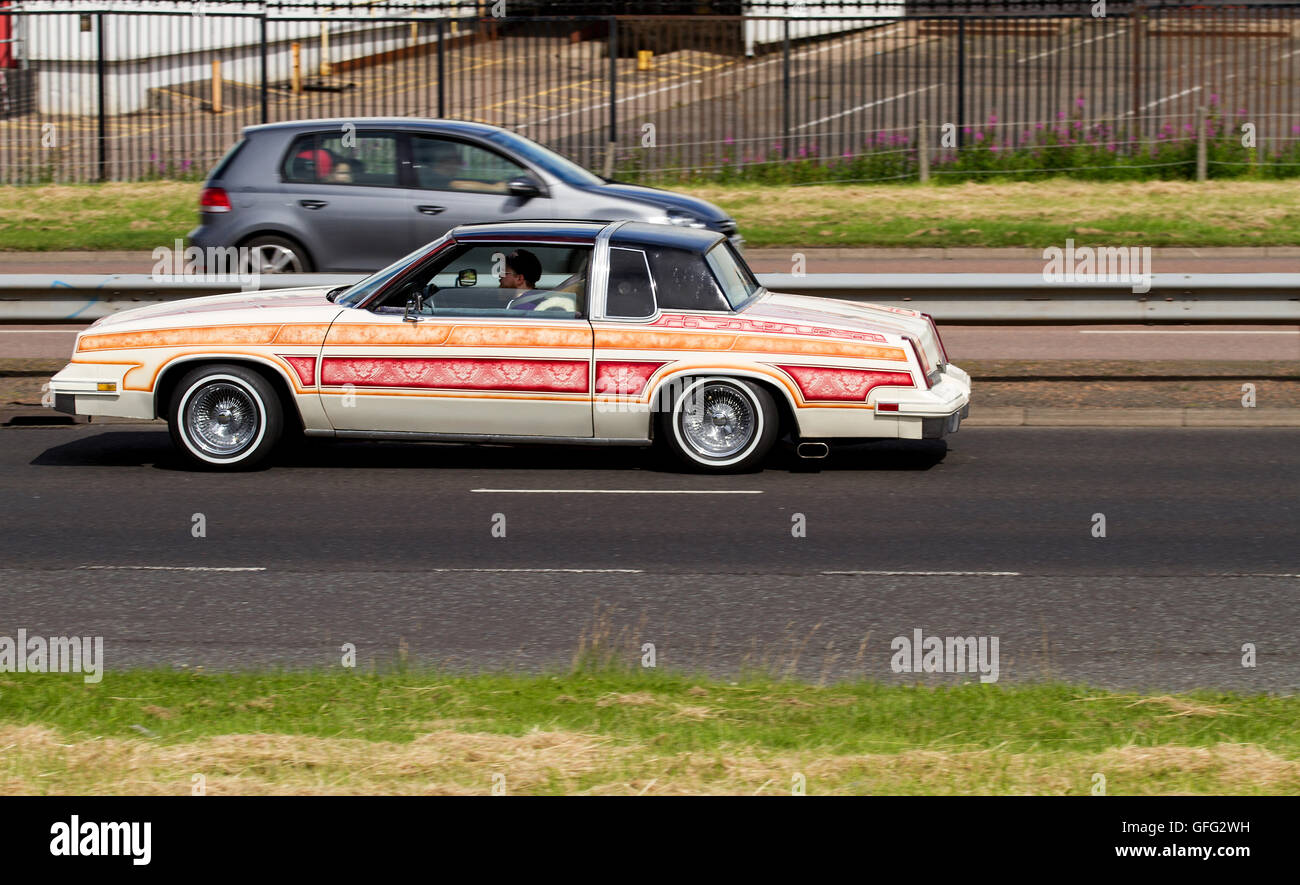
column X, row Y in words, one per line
column 738, row 283
column 362, row 290
column 561, row 167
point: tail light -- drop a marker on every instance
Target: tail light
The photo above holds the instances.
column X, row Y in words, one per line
column 214, row 199
column 935, row 329
column 920, row 360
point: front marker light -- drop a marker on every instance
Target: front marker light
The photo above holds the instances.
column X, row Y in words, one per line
column 107, row 386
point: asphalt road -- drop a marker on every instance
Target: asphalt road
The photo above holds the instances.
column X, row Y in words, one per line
column 391, row 547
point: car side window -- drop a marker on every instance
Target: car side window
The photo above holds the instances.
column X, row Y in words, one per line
column 631, row 291
column 500, row 281
column 448, row 165
column 683, row 281
column 361, row 158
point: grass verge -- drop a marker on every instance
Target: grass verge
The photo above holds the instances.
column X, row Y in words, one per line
column 144, row 215
column 619, row 732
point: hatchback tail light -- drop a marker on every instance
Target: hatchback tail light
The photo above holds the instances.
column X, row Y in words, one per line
column 214, row 199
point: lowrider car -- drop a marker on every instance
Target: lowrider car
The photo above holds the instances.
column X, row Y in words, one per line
column 626, row 333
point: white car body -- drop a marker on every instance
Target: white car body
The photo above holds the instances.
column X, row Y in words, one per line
column 841, row 370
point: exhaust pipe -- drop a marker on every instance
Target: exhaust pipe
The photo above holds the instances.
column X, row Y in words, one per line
column 812, row 450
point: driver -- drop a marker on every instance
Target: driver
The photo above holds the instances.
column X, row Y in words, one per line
column 522, row 271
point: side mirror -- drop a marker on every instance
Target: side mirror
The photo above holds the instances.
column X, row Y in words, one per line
column 523, row 187
column 412, row 314
column 467, row 277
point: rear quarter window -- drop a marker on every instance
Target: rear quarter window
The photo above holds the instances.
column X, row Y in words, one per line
column 683, row 281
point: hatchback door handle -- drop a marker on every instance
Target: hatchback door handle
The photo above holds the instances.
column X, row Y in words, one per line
column 312, row 204
column 430, row 210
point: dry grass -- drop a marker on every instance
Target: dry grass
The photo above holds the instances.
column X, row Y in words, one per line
column 37, row 760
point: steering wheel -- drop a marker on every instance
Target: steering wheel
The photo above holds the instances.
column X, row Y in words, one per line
column 426, row 298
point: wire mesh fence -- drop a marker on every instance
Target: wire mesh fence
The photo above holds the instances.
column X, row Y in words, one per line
column 800, row 91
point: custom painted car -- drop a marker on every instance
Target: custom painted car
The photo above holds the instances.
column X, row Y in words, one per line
column 627, row 333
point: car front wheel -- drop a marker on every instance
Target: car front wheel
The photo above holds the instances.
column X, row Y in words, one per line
column 225, row 417
column 720, row 425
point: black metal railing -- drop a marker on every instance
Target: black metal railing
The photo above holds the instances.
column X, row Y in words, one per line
column 161, row 90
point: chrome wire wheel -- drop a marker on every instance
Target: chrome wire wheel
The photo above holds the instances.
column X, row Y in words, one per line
column 717, row 421
column 222, row 418
column 225, row 416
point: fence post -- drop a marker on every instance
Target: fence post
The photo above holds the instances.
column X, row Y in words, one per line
column 102, row 90
column 961, row 78
column 785, row 87
column 442, row 70
column 1202, row 166
column 613, row 96
column 265, row 113
column 923, row 150
column 1136, row 64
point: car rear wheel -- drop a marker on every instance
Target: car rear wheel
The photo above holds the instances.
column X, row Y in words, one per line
column 225, row 417
column 720, row 425
column 267, row 255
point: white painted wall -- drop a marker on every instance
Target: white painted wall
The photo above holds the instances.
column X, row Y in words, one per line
column 150, row 51
column 804, row 23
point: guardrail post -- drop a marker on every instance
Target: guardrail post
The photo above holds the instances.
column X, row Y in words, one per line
column 101, row 88
column 923, row 150
column 1202, row 166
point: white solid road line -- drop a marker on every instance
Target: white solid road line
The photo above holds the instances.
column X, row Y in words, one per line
column 620, row 491
column 170, row 568
column 870, row 104
column 1072, row 45
column 1159, row 101
column 930, row 574
column 567, row 571
column 1183, row 332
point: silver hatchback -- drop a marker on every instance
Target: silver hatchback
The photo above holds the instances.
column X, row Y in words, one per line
column 356, row 194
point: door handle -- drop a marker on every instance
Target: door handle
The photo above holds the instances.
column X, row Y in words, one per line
column 430, row 210
column 312, row 204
